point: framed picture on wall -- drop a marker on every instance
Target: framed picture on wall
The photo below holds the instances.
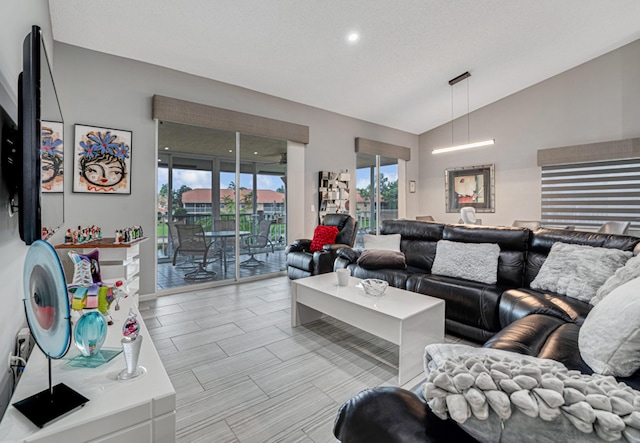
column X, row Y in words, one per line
column 52, row 157
column 102, row 160
column 470, row 186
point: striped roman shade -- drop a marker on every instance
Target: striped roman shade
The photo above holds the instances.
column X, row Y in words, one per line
column 588, row 194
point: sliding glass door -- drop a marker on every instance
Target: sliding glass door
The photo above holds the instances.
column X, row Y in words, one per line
column 233, row 186
column 377, row 192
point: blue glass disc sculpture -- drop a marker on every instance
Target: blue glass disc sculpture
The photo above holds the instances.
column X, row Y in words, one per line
column 90, row 332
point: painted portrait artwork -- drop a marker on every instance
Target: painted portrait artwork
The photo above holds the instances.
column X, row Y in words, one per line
column 52, row 157
column 102, row 160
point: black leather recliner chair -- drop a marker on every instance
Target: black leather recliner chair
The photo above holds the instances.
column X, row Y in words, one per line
column 302, row 263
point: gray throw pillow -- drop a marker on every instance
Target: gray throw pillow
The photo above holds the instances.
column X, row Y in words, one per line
column 471, row 261
column 609, row 339
column 389, row 242
column 381, row 259
column 578, row 270
column 628, row 272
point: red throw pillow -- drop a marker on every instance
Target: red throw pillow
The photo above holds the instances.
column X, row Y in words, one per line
column 323, row 235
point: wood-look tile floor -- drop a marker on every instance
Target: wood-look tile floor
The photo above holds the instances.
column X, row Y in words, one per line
column 243, row 374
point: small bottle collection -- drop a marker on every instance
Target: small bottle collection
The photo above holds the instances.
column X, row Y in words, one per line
column 83, row 235
column 127, row 235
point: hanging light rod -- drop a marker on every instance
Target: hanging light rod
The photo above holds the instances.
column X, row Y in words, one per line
column 452, row 82
column 459, row 78
column 467, row 146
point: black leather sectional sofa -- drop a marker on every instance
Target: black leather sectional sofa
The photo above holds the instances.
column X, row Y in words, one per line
column 508, row 315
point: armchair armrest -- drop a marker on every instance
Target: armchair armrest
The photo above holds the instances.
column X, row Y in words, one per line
column 334, row 248
column 300, row 245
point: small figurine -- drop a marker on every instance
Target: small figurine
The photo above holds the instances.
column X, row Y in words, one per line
column 119, row 291
column 131, row 328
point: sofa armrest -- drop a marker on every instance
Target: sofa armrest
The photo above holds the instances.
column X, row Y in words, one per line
column 300, row 245
column 349, row 254
column 392, row 415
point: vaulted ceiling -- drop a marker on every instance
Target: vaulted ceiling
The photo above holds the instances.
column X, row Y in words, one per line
column 396, row 74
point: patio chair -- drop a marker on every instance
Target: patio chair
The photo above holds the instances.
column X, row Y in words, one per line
column 614, row 227
column 253, row 243
column 531, row 224
column 186, row 262
column 468, row 216
column 194, row 245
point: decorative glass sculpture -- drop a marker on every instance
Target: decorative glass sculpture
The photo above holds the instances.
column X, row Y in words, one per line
column 374, row 286
column 90, row 332
column 131, row 343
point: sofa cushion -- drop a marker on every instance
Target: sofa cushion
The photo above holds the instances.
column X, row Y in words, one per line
column 578, row 270
column 467, row 302
column 518, row 303
column 628, row 272
column 389, row 242
column 471, row 261
column 381, row 258
column 610, row 336
column 323, row 235
column 542, row 336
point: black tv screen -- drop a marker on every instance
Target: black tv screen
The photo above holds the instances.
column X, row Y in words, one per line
column 37, row 102
column 29, row 124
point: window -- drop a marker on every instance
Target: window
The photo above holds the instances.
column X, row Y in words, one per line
column 588, row 194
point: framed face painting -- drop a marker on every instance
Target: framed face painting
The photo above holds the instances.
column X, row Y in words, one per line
column 470, row 186
column 102, row 160
column 52, row 157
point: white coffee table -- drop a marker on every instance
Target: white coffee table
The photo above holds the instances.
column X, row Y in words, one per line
column 407, row 319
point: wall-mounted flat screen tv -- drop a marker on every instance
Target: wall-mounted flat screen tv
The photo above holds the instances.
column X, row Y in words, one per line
column 37, row 102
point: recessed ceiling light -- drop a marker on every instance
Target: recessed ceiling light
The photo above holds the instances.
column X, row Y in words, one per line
column 166, row 148
column 230, row 150
column 353, row 37
column 255, row 153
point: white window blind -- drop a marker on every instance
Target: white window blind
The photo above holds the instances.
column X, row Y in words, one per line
column 586, row 195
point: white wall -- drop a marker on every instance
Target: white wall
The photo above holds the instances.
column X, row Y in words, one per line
column 103, row 90
column 597, row 101
column 16, row 19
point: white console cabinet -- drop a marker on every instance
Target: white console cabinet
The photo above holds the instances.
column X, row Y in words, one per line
column 137, row 410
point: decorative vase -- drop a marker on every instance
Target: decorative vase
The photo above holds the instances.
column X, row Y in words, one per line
column 131, row 352
column 90, row 332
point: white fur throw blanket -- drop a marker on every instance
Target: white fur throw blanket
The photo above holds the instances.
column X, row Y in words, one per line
column 501, row 396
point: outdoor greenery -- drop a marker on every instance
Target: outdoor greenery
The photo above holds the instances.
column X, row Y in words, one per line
column 388, row 193
column 177, row 208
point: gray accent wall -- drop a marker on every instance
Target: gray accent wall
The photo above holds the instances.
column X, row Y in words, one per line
column 594, row 102
column 114, row 92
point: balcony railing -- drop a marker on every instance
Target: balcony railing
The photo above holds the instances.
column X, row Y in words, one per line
column 248, row 222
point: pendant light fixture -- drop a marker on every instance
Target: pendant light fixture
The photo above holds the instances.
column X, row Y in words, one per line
column 452, row 82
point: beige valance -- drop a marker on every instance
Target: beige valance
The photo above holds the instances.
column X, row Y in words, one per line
column 384, row 149
column 196, row 114
column 591, row 152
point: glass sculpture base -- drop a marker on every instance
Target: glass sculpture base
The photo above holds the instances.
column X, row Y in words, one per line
column 103, row 356
column 46, row 406
column 126, row 375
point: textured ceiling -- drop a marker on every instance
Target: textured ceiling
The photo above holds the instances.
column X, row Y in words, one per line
column 395, row 75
